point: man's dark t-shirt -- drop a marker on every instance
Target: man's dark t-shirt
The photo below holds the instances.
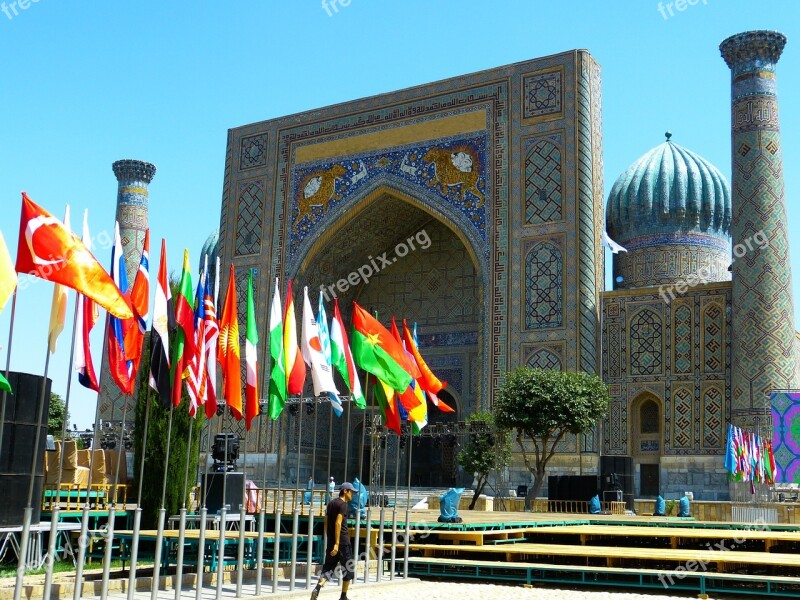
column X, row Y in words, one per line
column 337, row 507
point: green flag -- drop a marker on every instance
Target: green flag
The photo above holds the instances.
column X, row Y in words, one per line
column 277, row 380
column 4, row 385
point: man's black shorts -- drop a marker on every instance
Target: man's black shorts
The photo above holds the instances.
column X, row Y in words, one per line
column 343, row 557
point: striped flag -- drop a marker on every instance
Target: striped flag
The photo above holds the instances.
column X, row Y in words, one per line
column 183, row 349
column 163, row 321
column 211, row 330
column 342, row 357
column 295, row 367
column 8, row 275
column 58, row 309
column 140, row 302
column 252, row 407
column 313, row 354
column 325, row 343
column 120, row 367
column 429, row 382
column 229, row 354
column 277, row 379
column 196, row 382
column 87, row 318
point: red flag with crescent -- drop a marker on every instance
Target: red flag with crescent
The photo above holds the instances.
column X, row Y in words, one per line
column 48, row 250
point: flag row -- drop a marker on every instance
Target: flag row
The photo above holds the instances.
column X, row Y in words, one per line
column 749, row 457
column 189, row 344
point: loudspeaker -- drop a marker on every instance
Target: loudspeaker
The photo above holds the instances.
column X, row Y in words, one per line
column 213, row 493
column 621, row 465
column 571, row 487
column 17, row 452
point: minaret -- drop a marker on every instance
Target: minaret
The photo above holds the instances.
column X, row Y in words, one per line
column 133, row 177
column 762, row 336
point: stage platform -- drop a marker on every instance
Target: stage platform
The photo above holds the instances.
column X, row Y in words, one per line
column 609, row 550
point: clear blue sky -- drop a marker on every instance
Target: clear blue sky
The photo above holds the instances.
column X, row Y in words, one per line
column 84, row 84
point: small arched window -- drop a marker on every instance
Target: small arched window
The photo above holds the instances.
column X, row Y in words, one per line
column 648, row 417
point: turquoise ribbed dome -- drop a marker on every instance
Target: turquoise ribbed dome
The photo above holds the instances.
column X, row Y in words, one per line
column 671, row 209
column 669, row 190
column 210, row 249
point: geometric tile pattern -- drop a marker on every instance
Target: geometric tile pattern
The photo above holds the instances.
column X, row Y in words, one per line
column 544, row 359
column 543, row 183
column 542, row 94
column 713, row 417
column 763, row 316
column 646, row 343
column 544, row 287
column 682, row 361
column 695, row 400
column 249, row 217
column 713, row 342
column 590, row 255
column 682, row 418
column 253, row 152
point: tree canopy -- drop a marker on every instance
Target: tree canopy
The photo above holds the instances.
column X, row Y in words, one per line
column 544, row 406
column 56, row 416
column 487, row 449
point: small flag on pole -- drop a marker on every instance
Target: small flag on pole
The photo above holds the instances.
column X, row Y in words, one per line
column 252, row 407
column 277, row 380
column 8, row 275
column 229, row 354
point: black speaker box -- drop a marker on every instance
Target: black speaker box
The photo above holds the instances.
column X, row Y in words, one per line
column 621, row 465
column 571, row 487
column 18, row 452
column 212, row 492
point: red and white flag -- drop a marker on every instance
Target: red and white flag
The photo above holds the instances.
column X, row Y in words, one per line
column 87, row 319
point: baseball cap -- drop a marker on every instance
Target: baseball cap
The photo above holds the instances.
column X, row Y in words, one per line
column 347, row 486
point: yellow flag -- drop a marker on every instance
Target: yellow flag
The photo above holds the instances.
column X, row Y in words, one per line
column 58, row 310
column 8, row 275
column 58, row 315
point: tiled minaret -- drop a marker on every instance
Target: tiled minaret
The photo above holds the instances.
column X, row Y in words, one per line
column 762, row 350
column 133, row 177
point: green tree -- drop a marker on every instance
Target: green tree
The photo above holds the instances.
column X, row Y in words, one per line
column 487, row 449
column 158, row 425
column 542, row 407
column 56, row 416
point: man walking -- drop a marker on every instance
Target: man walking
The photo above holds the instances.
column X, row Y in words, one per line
column 338, row 551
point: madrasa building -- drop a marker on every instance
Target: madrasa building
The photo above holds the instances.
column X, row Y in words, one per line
column 475, row 207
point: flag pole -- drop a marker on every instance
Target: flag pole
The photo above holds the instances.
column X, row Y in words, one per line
column 408, row 506
column 112, row 510
column 261, row 508
column 223, row 510
column 382, row 526
column 182, row 525
column 137, row 516
column 201, row 542
column 242, row 516
column 310, row 544
column 56, row 507
column 347, row 440
column 394, row 507
column 295, row 504
column 330, row 447
column 8, row 366
column 26, row 521
column 360, row 478
column 278, row 506
column 83, row 540
column 162, row 512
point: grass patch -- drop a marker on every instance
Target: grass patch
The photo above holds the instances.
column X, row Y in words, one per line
column 66, row 566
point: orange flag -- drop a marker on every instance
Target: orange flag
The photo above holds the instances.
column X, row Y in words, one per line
column 48, row 250
column 429, row 382
column 229, row 354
